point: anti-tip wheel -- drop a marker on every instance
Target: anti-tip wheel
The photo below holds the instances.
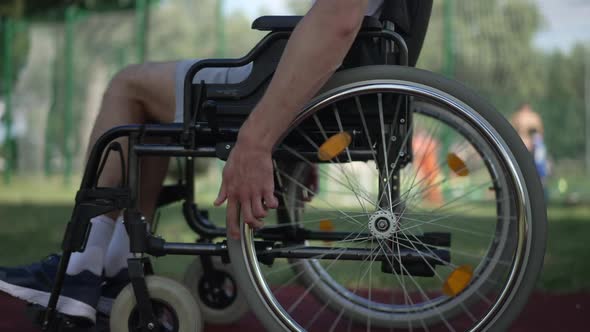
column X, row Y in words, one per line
column 217, row 295
column 175, row 309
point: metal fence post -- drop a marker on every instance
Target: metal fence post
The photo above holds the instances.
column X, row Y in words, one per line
column 448, row 70
column 71, row 13
column 9, row 147
column 55, row 99
column 587, row 102
column 141, row 27
column 220, row 51
column 449, row 47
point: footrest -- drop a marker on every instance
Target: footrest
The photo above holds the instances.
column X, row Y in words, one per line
column 118, row 198
column 89, row 204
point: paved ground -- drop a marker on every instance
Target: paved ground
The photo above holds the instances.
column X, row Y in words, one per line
column 544, row 312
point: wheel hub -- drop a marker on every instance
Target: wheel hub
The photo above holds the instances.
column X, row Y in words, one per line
column 382, row 224
column 166, row 318
column 217, row 290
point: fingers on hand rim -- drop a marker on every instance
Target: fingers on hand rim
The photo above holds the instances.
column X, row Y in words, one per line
column 258, row 208
column 270, row 200
column 247, row 215
column 233, row 219
column 221, row 197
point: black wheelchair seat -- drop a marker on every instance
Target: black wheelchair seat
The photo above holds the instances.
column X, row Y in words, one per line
column 230, row 104
column 288, row 23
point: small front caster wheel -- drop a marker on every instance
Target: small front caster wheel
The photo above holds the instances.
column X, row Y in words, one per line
column 216, row 292
column 173, row 305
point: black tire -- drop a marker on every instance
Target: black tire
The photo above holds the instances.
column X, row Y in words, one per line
column 228, row 313
column 534, row 209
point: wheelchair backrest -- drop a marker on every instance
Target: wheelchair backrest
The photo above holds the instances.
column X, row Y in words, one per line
column 233, row 102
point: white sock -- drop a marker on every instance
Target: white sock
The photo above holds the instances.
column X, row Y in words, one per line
column 92, row 258
column 118, row 251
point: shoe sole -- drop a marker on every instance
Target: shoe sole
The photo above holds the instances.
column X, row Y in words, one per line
column 65, row 305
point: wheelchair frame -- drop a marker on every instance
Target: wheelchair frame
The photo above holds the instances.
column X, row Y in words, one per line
column 198, row 136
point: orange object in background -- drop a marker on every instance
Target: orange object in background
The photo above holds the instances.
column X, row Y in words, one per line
column 425, row 152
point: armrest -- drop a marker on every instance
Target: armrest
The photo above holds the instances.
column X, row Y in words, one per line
column 288, row 23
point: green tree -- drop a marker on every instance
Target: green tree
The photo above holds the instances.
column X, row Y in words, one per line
column 299, row 7
column 493, row 48
column 562, row 106
column 185, row 29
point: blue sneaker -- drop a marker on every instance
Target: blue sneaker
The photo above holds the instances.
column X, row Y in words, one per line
column 33, row 283
column 109, row 290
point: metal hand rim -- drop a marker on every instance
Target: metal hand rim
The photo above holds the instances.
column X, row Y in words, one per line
column 416, row 89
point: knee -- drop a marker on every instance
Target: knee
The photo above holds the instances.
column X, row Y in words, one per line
column 124, row 83
column 147, row 88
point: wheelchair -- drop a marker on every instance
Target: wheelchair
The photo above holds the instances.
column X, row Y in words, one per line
column 428, row 214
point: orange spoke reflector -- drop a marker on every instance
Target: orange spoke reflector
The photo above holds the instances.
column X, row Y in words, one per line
column 334, row 145
column 326, row 225
column 457, row 165
column 458, row 280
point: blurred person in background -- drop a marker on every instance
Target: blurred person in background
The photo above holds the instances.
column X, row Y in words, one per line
column 529, row 126
column 525, row 120
column 540, row 157
column 425, row 149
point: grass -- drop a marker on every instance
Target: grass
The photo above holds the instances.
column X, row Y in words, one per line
column 567, row 259
column 33, row 218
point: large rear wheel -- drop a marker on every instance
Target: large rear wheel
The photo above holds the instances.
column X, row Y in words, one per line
column 433, row 202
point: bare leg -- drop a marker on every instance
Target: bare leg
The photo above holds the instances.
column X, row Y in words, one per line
column 138, row 94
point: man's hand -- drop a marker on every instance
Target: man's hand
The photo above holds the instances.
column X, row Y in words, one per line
column 314, row 51
column 247, row 185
